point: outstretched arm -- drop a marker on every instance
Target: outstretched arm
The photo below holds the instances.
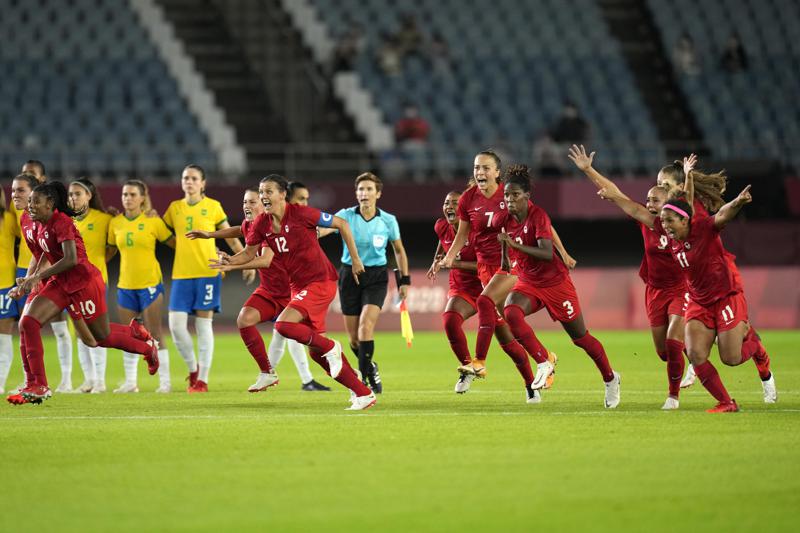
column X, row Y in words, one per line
column 729, row 211
column 224, row 233
column 629, row 207
column 584, row 162
column 261, row 261
column 688, row 183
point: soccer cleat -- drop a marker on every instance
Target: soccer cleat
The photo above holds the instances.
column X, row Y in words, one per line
column 152, row 357
column 723, row 407
column 164, row 388
column 36, row 393
column 264, row 382
column 374, row 379
column 770, row 391
column 199, row 386
column 314, row 386
column 553, row 358
column 543, row 371
column 464, row 383
column 139, row 331
column 477, row 368
column 192, row 378
column 534, row 396
column 612, row 392
column 359, row 403
column 86, row 387
column 334, row 357
column 126, row 388
column 688, row 378
column 670, row 404
column 16, row 399
column 63, row 387
column 98, row 387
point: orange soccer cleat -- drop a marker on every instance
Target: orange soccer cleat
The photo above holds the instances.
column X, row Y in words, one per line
column 199, row 386
column 725, row 407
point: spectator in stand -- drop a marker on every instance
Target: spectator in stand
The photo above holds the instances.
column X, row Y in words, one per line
column 571, row 128
column 409, row 38
column 734, row 58
column 411, row 133
column 684, row 56
column 388, row 56
column 348, row 48
column 547, row 156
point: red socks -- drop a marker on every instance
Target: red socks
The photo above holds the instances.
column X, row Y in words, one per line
column 487, row 319
column 255, row 345
column 524, row 333
column 595, row 350
column 24, row 356
column 711, row 381
column 347, row 376
column 675, row 366
column 121, row 337
column 662, row 354
column 752, row 347
column 517, row 354
column 31, row 329
column 455, row 334
column 304, row 335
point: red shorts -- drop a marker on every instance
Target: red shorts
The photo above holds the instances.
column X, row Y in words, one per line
column 560, row 300
column 486, row 272
column 313, row 302
column 661, row 303
column 268, row 307
column 87, row 303
column 464, row 295
column 722, row 315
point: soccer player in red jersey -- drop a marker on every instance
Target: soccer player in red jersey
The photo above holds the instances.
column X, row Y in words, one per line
column 543, row 282
column 290, row 232
column 465, row 286
column 717, row 307
column 665, row 294
column 71, row 282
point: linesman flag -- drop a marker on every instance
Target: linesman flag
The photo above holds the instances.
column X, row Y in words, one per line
column 405, row 324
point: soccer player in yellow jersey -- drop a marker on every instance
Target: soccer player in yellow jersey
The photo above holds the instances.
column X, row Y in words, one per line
column 92, row 224
column 140, row 291
column 59, row 325
column 8, row 306
column 195, row 287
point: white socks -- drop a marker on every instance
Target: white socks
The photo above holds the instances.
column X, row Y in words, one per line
column 179, row 328
column 205, row 345
column 99, row 357
column 130, row 362
column 298, row 352
column 163, row 367
column 87, row 365
column 64, row 347
column 6, row 355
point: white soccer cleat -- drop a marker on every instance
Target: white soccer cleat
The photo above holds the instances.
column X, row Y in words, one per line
column 770, row 391
column 688, row 378
column 164, row 388
column 64, row 387
column 464, row 383
column 263, row 382
column 86, row 387
column 98, row 387
column 670, row 404
column 359, row 403
column 612, row 392
column 543, row 371
column 534, row 396
column 334, row 357
column 126, row 388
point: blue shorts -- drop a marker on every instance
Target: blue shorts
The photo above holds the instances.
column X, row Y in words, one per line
column 21, row 272
column 197, row 294
column 9, row 307
column 138, row 299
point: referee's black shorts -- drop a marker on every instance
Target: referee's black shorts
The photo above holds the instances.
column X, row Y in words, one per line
column 371, row 288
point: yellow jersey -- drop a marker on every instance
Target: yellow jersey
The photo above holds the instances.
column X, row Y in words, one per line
column 8, row 232
column 136, row 241
column 191, row 256
column 93, row 228
column 25, row 255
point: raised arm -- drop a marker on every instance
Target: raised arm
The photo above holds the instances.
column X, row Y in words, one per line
column 629, row 207
column 230, row 232
column 568, row 259
column 729, row 211
column 688, row 183
column 584, row 162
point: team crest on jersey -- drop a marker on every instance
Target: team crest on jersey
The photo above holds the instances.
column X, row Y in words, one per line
column 90, row 226
column 141, row 227
column 286, row 228
column 502, row 205
column 204, row 212
column 525, row 229
column 663, row 241
column 687, row 246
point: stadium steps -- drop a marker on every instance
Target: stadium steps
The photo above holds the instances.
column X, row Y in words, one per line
column 295, row 85
column 237, row 89
column 630, row 22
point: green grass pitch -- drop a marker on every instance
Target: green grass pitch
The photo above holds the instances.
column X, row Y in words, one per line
column 423, row 459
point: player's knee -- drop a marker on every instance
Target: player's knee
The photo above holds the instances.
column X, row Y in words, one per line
column 29, row 325
column 246, row 318
column 486, row 307
column 729, row 358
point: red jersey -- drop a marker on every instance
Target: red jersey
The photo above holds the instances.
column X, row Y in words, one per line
column 479, row 212
column 295, row 244
column 29, row 229
column 275, row 279
column 658, row 268
column 50, row 235
column 460, row 280
column 704, row 261
column 528, row 232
